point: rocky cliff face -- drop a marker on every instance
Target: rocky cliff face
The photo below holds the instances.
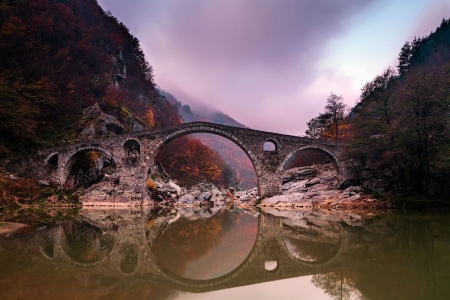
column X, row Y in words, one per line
column 312, row 186
column 94, row 123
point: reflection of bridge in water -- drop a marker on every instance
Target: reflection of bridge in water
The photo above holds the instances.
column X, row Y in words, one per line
column 388, row 256
column 282, row 249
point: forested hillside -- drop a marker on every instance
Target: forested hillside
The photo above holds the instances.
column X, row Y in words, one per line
column 399, row 132
column 59, row 57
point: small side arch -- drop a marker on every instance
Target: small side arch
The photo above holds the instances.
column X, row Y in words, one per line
column 61, row 254
column 271, row 266
column 334, row 252
column 270, row 145
column 335, row 160
column 132, row 147
column 70, row 159
column 129, row 260
column 52, row 159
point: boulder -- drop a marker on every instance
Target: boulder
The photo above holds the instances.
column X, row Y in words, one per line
column 297, row 174
column 108, row 124
column 88, row 133
column 165, row 191
column 312, row 182
column 186, row 200
column 134, row 125
column 205, row 196
column 172, row 185
column 44, row 183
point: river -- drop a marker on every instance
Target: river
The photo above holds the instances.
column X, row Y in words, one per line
column 229, row 254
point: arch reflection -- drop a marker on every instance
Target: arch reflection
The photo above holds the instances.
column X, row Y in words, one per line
column 312, row 244
column 85, row 243
column 202, row 247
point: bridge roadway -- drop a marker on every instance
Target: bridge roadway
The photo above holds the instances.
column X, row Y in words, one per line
column 134, row 155
column 127, row 231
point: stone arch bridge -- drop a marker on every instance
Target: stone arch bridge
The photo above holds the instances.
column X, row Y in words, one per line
column 134, row 155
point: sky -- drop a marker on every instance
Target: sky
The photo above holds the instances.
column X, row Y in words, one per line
column 271, row 64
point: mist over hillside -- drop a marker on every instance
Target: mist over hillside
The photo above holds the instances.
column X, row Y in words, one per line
column 231, row 154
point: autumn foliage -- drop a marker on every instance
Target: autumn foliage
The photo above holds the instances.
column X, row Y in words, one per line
column 61, row 56
column 333, row 124
column 189, row 161
column 233, row 156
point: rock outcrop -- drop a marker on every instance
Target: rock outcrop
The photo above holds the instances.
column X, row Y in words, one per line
column 304, row 187
column 313, row 186
column 200, row 195
column 95, row 123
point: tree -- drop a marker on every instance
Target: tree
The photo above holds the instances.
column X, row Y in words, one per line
column 335, row 108
column 404, row 58
column 422, row 125
column 328, row 125
column 317, row 125
column 380, row 91
column 401, row 128
column 62, row 57
column 407, row 54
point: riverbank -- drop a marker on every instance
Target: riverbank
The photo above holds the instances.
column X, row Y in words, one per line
column 312, row 187
column 25, row 192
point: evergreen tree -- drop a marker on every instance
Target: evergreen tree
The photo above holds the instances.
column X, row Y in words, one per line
column 404, row 58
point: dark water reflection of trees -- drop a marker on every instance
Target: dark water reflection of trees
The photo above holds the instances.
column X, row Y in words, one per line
column 403, row 257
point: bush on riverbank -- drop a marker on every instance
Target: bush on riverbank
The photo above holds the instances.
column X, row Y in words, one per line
column 16, row 191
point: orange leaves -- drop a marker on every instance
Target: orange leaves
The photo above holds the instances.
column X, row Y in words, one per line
column 344, row 130
column 112, row 98
column 189, row 161
column 149, row 118
column 61, row 57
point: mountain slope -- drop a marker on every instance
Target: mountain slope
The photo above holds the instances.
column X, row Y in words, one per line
column 67, row 66
column 401, row 128
column 59, row 57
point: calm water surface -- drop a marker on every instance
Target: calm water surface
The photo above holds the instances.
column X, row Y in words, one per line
column 229, row 254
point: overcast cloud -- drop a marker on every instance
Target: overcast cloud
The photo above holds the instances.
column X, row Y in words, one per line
column 260, row 61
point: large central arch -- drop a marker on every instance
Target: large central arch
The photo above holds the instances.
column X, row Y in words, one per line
column 204, row 129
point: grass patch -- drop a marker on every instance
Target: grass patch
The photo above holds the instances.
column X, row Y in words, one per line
column 15, row 192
